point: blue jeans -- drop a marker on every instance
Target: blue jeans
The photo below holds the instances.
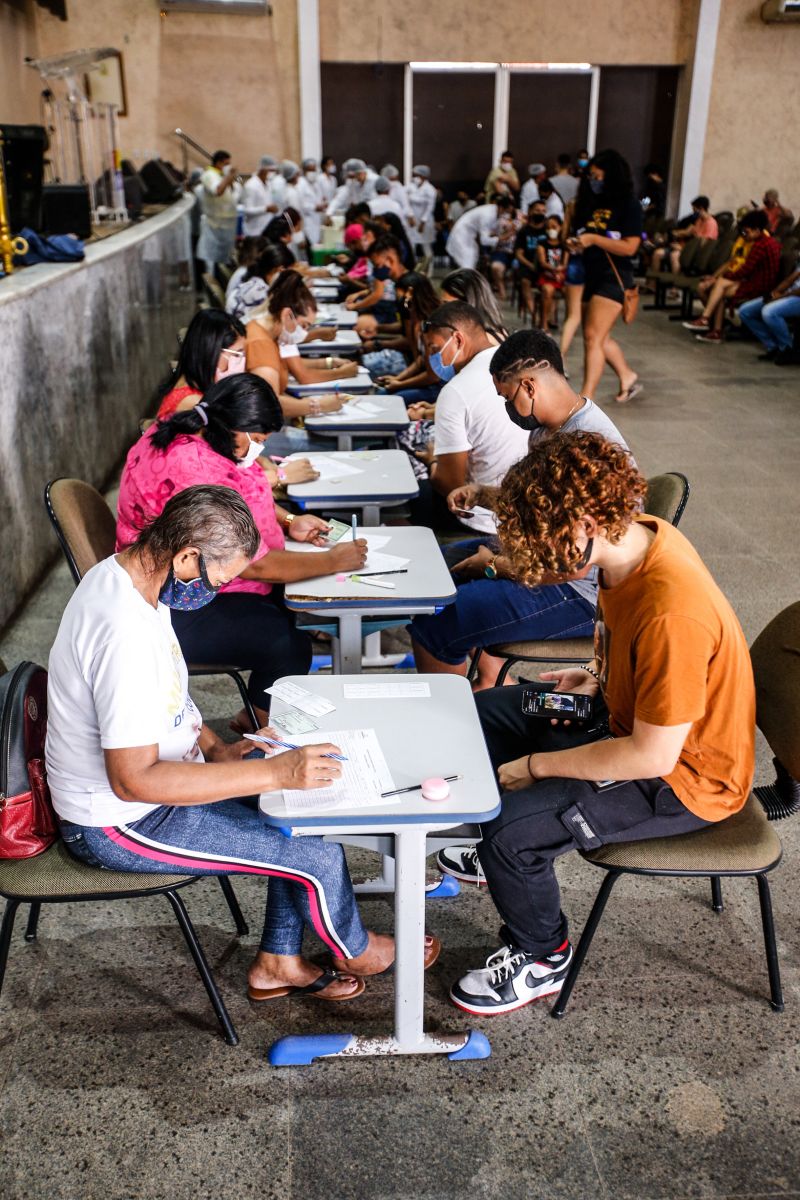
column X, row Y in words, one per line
column 428, row 394
column 384, row 362
column 768, row 320
column 309, row 883
column 486, row 612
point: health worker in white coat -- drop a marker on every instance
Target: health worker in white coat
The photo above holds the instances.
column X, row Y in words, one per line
column 476, row 228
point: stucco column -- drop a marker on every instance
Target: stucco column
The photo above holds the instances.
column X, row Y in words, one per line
column 310, row 83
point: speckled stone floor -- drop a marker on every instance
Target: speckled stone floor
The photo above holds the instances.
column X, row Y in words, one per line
column 670, row 1077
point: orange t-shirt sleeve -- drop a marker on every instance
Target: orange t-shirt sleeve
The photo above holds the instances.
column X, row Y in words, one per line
column 671, row 673
column 262, row 352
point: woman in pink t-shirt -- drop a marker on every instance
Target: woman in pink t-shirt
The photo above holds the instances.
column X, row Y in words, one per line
column 219, row 441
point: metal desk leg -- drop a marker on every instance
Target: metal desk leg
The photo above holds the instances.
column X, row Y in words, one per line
column 409, row 1035
column 371, row 515
column 345, row 441
column 349, row 643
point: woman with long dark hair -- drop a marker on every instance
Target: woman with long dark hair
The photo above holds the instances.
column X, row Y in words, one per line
column 253, row 287
column 608, row 232
column 219, row 441
column 212, row 348
column 472, row 288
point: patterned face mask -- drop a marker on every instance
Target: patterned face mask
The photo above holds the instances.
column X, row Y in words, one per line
column 188, row 596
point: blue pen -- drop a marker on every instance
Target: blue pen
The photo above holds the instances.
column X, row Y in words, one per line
column 259, row 737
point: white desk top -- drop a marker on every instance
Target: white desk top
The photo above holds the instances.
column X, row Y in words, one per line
column 420, row 738
column 427, row 582
column 346, row 339
column 392, row 415
column 362, row 382
column 336, row 314
column 384, row 475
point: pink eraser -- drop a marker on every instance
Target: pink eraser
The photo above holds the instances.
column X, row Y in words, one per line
column 340, row 578
column 435, row 788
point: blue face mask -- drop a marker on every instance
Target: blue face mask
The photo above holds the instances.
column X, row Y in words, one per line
column 445, row 373
column 596, row 185
column 186, row 597
column 381, row 272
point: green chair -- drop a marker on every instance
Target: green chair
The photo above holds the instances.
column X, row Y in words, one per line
column 667, row 496
column 55, row 877
column 743, row 845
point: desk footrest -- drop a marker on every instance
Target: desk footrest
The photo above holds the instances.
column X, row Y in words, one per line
column 301, row 1051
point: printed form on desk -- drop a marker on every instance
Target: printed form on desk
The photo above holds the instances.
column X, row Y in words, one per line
column 388, row 689
column 365, row 774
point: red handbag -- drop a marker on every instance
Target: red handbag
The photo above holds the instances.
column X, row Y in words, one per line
column 28, row 824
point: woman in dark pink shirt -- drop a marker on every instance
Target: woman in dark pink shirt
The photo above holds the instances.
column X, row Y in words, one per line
column 219, row 441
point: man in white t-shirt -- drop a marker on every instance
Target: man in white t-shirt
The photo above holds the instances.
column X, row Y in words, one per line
column 473, row 441
column 258, row 199
column 221, row 192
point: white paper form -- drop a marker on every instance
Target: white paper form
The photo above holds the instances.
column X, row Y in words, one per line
column 383, row 562
column 388, row 689
column 365, row 774
column 374, row 544
column 298, row 697
column 330, row 468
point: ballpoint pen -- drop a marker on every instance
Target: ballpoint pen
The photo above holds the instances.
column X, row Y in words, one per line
column 354, row 526
column 417, row 787
column 365, row 574
column 259, row 737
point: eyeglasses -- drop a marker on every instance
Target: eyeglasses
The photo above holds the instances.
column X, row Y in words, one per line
column 433, row 326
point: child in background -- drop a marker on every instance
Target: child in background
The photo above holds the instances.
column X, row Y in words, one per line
column 552, row 257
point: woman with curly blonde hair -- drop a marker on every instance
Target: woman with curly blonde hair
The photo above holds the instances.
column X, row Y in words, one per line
column 669, row 745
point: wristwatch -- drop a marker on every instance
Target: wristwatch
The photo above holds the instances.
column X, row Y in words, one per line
column 329, row 363
column 287, row 519
column 490, row 570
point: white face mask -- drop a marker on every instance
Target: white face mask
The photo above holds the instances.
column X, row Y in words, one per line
column 253, row 451
column 298, row 238
column 331, row 169
column 312, row 176
column 292, row 337
column 231, row 362
column 506, row 166
column 417, row 180
column 552, row 234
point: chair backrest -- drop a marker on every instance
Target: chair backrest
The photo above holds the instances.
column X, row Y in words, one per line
column 704, row 256
column 724, row 221
column 83, row 522
column 776, row 665
column 215, row 294
column 788, row 260
column 689, row 254
column 722, row 251
column 667, row 495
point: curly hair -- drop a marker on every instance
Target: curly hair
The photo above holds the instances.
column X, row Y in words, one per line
column 566, row 477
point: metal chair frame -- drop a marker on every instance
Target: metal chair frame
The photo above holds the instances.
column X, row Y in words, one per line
column 169, row 890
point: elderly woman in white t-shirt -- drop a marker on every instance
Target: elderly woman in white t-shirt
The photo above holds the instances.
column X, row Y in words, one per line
column 140, row 783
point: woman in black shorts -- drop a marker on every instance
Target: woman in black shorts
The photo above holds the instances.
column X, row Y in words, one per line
column 608, row 223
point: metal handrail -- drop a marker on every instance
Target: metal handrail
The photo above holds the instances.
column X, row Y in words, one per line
column 189, row 141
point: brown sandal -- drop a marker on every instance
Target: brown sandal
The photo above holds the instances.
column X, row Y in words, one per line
column 433, row 948
column 315, row 989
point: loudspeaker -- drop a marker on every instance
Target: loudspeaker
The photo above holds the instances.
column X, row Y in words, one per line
column 159, row 180
column 22, row 148
column 66, row 208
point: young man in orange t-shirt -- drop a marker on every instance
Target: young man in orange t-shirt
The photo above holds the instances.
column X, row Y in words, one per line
column 673, row 721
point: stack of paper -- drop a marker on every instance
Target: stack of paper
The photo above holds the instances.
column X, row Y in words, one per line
column 365, row 774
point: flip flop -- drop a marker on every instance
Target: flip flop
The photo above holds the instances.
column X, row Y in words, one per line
column 432, row 952
column 629, row 393
column 311, row 989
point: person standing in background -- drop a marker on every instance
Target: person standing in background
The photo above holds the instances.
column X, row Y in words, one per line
column 311, row 201
column 564, row 182
column 422, row 201
column 504, row 178
column 221, row 192
column 328, row 180
column 257, row 198
column 397, row 191
column 537, row 173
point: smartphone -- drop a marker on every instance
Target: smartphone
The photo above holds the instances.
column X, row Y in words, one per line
column 567, row 706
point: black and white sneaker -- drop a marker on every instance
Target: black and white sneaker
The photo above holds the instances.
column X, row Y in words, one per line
column 462, row 863
column 511, row 979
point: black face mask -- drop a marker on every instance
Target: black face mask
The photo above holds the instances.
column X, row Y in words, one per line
column 529, row 423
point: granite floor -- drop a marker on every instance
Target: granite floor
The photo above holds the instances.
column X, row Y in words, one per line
column 669, row 1078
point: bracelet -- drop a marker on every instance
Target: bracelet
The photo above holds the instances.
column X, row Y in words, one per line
column 287, row 519
column 314, row 407
column 329, row 363
column 282, row 474
column 530, row 756
column 591, row 671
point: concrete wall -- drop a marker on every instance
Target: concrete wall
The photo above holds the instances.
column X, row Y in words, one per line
column 84, row 347
column 754, row 116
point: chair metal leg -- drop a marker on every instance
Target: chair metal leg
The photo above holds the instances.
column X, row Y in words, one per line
column 582, row 948
column 768, row 924
column 6, row 929
column 203, row 969
column 33, row 922
column 248, row 707
column 501, row 674
column 242, row 928
column 716, row 894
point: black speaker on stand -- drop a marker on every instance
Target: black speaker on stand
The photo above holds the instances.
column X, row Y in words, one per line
column 67, row 208
column 22, row 148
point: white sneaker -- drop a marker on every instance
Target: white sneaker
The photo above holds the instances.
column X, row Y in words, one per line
column 511, row 979
column 462, row 863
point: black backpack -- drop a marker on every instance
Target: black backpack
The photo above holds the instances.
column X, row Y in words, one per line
column 28, row 824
